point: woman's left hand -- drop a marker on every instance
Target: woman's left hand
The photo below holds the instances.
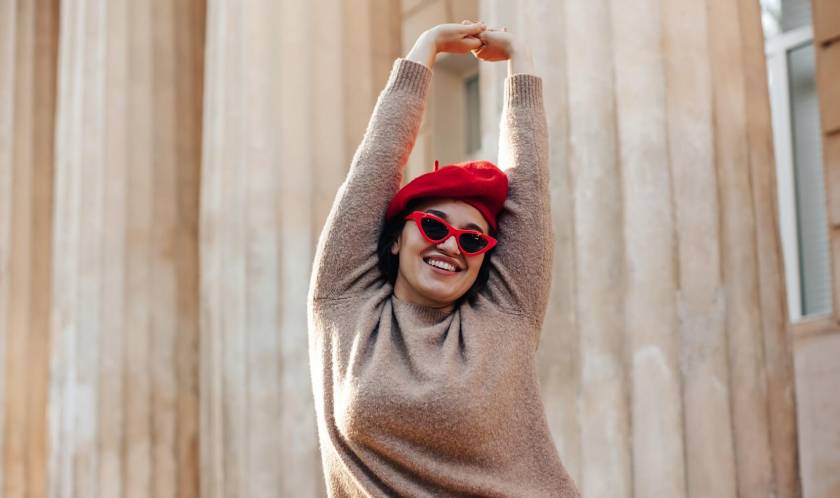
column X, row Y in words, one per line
column 496, row 45
column 499, row 45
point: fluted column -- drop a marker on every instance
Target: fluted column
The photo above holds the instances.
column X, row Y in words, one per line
column 708, row 438
column 28, row 53
column 665, row 364
column 124, row 391
column 290, row 86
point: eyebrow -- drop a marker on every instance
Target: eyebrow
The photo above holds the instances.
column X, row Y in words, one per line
column 472, row 226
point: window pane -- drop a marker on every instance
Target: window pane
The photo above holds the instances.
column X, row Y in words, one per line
column 473, row 115
column 780, row 16
column 810, row 188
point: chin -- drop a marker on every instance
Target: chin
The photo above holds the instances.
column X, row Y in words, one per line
column 443, row 297
column 435, row 290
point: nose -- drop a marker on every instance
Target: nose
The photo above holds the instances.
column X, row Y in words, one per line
column 450, row 245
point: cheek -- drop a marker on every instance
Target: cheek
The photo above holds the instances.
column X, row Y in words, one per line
column 412, row 247
column 410, row 262
column 474, row 269
column 472, row 272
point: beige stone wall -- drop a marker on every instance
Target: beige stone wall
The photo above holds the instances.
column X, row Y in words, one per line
column 165, row 169
column 159, row 205
column 289, row 86
column 666, row 365
column 123, row 389
column 712, row 116
column 28, row 56
column 817, row 378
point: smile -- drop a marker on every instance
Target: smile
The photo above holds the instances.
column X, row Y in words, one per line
column 441, row 266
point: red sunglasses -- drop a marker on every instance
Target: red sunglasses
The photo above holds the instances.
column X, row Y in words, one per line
column 435, row 230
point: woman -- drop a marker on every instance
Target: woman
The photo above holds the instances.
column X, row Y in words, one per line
column 426, row 303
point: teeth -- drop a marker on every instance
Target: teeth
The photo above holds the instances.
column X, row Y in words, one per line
column 441, row 264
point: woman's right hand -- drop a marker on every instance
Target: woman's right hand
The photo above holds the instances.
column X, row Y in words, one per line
column 497, row 45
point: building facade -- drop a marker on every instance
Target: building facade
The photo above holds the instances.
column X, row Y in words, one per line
column 166, row 167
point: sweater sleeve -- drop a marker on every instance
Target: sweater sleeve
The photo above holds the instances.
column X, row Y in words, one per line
column 520, row 271
column 345, row 258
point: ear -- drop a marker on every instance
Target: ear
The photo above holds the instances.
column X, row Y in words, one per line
column 395, row 247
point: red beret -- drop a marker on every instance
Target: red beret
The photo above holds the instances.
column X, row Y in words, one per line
column 478, row 183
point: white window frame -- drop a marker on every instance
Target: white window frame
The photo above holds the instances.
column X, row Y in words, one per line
column 776, row 50
column 475, row 153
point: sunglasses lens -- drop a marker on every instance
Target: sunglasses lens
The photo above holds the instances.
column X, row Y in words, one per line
column 437, row 231
column 472, row 242
column 434, row 229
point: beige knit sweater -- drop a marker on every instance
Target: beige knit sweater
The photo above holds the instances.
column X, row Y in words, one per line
column 414, row 401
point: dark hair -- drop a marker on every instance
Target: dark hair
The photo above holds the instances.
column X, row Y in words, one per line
column 389, row 264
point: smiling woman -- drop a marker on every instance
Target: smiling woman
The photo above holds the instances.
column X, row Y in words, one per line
column 429, row 261
column 437, row 274
column 426, row 302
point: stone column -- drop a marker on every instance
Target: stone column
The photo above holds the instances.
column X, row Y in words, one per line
column 28, row 54
column 289, row 88
column 124, row 387
column 665, row 363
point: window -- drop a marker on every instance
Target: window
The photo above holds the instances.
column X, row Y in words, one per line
column 472, row 115
column 455, row 110
column 797, row 142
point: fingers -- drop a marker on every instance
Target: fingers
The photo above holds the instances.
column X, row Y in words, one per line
column 488, row 28
column 476, row 28
column 486, row 35
column 473, row 27
column 473, row 43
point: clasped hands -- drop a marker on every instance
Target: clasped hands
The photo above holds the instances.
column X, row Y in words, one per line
column 486, row 43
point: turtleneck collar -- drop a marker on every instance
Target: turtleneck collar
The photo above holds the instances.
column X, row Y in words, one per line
column 426, row 312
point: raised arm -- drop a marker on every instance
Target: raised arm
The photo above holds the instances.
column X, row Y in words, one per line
column 345, row 259
column 520, row 275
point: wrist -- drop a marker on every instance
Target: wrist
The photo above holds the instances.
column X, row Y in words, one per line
column 519, row 50
column 425, row 49
column 520, row 60
column 430, row 38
